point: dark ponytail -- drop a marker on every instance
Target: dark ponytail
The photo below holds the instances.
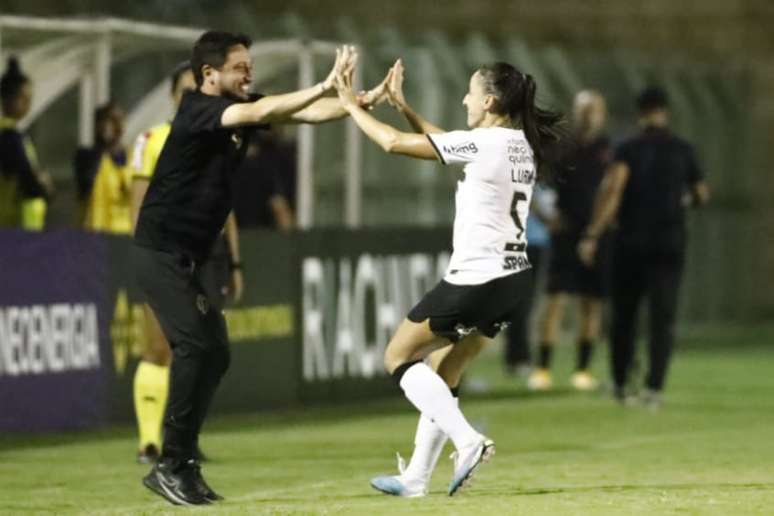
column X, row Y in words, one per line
column 12, row 81
column 546, row 131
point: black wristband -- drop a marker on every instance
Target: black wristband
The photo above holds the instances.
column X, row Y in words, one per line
column 235, row 266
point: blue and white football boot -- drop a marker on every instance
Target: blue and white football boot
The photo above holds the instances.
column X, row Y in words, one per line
column 400, row 485
column 467, row 460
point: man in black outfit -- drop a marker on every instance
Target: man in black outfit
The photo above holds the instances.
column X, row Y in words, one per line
column 653, row 178
column 184, row 210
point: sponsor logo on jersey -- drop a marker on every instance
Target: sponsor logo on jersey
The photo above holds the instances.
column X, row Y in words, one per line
column 519, row 152
column 516, row 263
column 462, row 148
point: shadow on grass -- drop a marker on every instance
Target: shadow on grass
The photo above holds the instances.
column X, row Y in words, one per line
column 480, row 491
column 619, row 488
column 296, row 415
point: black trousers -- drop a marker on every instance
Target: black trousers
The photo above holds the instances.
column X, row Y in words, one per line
column 196, row 330
column 517, row 335
column 639, row 274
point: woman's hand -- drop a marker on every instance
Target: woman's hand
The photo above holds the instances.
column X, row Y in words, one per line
column 376, row 95
column 395, row 85
column 343, row 85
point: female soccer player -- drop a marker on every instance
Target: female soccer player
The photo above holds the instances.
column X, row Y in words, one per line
column 510, row 138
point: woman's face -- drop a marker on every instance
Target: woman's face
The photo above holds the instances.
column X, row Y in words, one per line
column 111, row 128
column 20, row 106
column 477, row 101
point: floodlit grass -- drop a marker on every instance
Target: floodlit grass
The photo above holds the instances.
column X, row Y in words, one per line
column 708, row 451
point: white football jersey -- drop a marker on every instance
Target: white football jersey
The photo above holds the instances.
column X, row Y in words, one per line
column 492, row 202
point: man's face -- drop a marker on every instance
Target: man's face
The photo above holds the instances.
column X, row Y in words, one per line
column 589, row 112
column 234, row 77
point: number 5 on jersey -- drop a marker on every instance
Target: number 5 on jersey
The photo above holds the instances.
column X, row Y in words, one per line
column 518, row 247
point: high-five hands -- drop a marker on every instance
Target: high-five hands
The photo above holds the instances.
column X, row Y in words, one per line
column 395, row 85
column 346, row 59
column 341, row 78
column 343, row 84
column 375, row 96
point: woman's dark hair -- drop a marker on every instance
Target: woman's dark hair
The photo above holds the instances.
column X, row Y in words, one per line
column 12, row 81
column 546, row 131
column 212, row 49
column 178, row 72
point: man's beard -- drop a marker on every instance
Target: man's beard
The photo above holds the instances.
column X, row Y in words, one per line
column 236, row 95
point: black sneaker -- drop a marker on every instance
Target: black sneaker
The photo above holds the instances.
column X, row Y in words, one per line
column 204, row 488
column 177, row 483
column 148, row 455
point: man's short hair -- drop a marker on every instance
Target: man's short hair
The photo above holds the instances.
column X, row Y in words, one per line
column 651, row 99
column 212, row 49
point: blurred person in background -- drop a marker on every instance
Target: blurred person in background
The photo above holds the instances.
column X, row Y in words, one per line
column 517, row 343
column 654, row 176
column 509, row 141
column 222, row 278
column 25, row 189
column 102, row 175
column 576, row 187
column 263, row 191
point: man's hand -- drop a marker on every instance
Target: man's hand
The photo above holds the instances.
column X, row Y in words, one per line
column 587, row 250
column 236, row 287
column 47, row 182
column 555, row 224
column 346, row 59
column 343, row 84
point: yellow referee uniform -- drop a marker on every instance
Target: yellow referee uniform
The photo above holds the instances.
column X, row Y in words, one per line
column 151, row 381
column 108, row 207
column 147, row 149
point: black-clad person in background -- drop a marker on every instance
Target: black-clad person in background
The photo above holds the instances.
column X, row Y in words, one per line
column 654, row 177
column 25, row 189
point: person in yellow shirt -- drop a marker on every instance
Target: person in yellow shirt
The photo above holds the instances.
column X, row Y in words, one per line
column 25, row 189
column 151, row 380
column 103, row 176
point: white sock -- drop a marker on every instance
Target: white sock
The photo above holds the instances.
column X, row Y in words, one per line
column 430, row 394
column 428, row 445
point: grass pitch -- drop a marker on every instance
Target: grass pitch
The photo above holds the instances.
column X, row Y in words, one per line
column 710, row 450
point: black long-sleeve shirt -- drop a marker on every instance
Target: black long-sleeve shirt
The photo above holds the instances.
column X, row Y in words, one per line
column 18, row 161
